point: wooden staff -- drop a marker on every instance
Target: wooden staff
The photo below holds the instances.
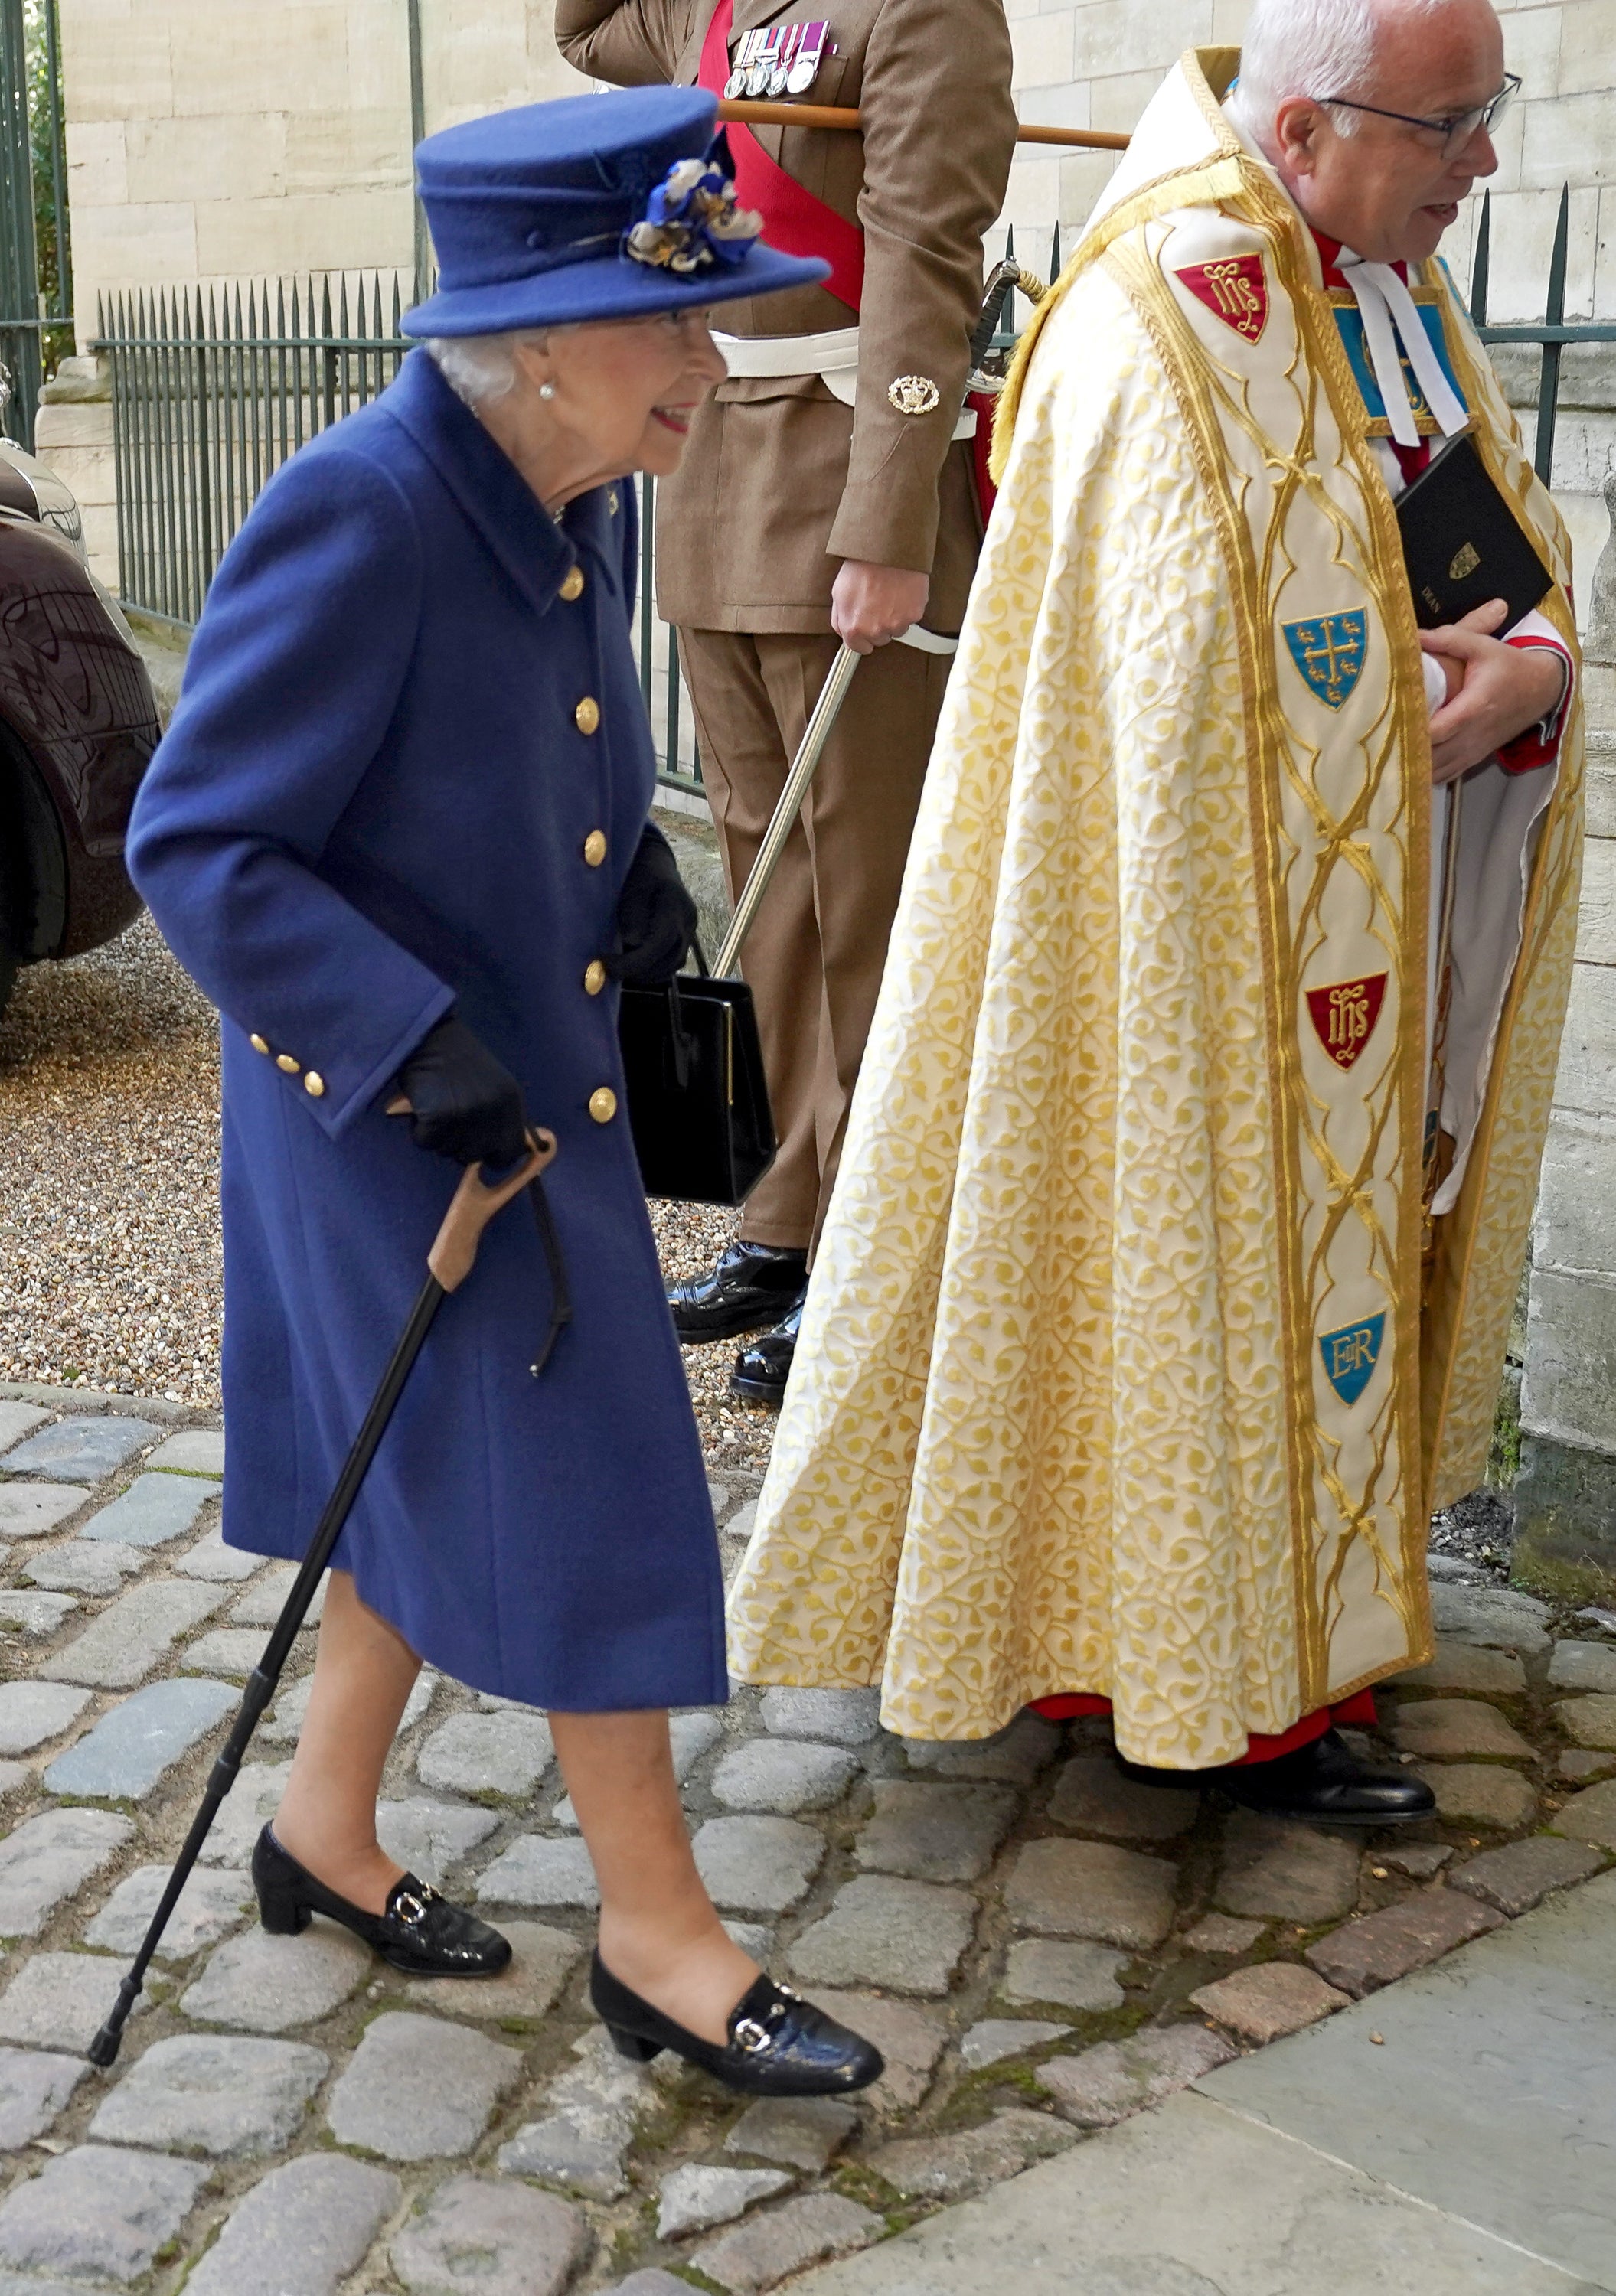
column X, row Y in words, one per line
column 841, row 117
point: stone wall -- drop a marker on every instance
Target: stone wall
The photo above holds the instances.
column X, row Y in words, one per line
column 1096, row 65
column 218, row 141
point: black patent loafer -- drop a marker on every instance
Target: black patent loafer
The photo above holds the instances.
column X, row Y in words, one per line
column 751, row 1286
column 779, row 2044
column 1324, row 1784
column 762, row 1370
column 421, row 1932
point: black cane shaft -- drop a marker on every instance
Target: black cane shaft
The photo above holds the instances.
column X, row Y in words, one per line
column 261, row 1683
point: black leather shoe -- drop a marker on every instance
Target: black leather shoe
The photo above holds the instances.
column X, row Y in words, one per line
column 779, row 2044
column 1324, row 1784
column 746, row 1291
column 420, row 1932
column 762, row 1370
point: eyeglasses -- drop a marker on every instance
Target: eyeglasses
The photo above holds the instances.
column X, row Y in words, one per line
column 1453, row 133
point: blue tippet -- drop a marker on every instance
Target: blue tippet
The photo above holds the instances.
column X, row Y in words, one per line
column 382, row 796
column 1350, row 320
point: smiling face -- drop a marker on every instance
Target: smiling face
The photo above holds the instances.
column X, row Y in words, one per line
column 625, row 390
column 1387, row 191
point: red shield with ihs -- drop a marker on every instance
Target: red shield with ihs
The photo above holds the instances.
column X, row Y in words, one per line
column 1236, row 288
column 1344, row 1015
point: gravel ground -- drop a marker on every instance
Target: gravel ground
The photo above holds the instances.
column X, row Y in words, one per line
column 109, row 1266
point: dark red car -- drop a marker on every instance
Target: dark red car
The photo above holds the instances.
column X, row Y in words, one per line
column 78, row 725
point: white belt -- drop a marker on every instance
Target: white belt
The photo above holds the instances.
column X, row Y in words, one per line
column 833, row 357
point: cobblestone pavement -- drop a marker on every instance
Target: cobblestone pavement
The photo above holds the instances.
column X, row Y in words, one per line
column 1039, row 1949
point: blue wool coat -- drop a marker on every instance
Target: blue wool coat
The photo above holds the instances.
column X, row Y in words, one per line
column 379, row 800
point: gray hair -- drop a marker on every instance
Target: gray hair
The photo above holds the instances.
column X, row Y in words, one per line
column 478, row 368
column 1313, row 48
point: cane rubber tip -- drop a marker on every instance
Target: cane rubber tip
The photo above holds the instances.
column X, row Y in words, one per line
column 104, row 2049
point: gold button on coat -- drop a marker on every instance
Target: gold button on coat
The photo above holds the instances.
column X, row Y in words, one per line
column 258, row 1044
column 284, row 1061
column 595, row 848
column 586, row 717
column 594, row 976
column 314, row 1084
column 603, row 1103
column 572, row 586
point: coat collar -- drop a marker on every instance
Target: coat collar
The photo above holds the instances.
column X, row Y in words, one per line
column 532, row 550
column 750, row 13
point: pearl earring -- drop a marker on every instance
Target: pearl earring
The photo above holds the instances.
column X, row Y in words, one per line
column 546, row 390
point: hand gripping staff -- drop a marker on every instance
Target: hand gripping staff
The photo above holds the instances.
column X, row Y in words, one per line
column 449, row 1262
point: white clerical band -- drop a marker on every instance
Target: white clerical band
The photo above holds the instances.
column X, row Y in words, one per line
column 833, row 357
column 1387, row 305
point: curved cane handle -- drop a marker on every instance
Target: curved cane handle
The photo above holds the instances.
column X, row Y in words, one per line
column 474, row 1203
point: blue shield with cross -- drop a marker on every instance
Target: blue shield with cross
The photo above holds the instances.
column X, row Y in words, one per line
column 1351, row 1354
column 1329, row 650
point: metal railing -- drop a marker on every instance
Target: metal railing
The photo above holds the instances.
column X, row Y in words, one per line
column 210, row 396
column 1553, row 334
column 35, row 298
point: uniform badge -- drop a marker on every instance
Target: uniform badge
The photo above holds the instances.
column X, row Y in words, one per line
column 781, row 65
column 758, row 66
column 1235, row 288
column 914, row 394
column 1344, row 1015
column 1351, row 1354
column 1329, row 651
column 740, row 78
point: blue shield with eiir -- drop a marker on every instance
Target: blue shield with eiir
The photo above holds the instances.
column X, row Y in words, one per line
column 1329, row 650
column 1351, row 1354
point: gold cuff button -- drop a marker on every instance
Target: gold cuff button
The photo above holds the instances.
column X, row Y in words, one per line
column 586, row 717
column 258, row 1044
column 572, row 585
column 315, row 1086
column 594, row 976
column 284, row 1062
column 595, row 848
column 603, row 1103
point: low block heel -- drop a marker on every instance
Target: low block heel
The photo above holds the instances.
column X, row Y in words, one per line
column 630, row 2045
column 283, row 1917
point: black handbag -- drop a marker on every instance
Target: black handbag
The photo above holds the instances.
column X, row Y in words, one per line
column 698, row 1098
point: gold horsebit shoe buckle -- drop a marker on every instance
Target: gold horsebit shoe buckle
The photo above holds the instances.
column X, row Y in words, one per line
column 411, row 1908
column 754, row 2037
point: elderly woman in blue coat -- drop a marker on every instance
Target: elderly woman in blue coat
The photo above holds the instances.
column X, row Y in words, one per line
column 398, row 832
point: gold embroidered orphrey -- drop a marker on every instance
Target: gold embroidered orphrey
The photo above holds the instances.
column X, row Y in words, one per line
column 1064, row 1415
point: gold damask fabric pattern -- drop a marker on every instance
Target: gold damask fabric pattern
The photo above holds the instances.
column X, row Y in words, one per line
column 1109, row 1376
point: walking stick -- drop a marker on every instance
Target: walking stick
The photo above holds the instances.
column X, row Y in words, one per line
column 449, row 1262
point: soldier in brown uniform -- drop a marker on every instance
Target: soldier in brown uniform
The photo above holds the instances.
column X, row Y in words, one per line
column 828, row 492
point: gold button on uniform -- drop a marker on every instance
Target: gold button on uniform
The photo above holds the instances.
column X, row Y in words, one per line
column 594, row 976
column 258, row 1044
column 586, row 717
column 595, row 848
column 286, row 1062
column 314, row 1084
column 572, row 586
column 603, row 1103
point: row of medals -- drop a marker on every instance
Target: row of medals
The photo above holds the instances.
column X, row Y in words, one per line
column 777, row 60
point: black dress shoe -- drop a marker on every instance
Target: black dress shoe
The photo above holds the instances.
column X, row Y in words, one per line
column 419, row 1931
column 746, row 1291
column 762, row 1370
column 1324, row 1784
column 779, row 2044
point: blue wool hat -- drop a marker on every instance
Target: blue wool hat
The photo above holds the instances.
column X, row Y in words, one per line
column 595, row 207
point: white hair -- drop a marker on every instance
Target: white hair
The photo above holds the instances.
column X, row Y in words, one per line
column 478, row 368
column 1316, row 48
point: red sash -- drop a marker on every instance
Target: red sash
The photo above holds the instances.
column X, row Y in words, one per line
column 794, row 220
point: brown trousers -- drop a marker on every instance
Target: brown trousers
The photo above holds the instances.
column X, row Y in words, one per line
column 815, row 955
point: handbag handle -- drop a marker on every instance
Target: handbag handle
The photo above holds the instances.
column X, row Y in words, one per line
column 804, row 764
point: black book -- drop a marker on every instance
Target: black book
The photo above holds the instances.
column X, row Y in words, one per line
column 1463, row 544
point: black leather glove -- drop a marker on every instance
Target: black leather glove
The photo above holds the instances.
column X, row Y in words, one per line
column 656, row 918
column 466, row 1105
